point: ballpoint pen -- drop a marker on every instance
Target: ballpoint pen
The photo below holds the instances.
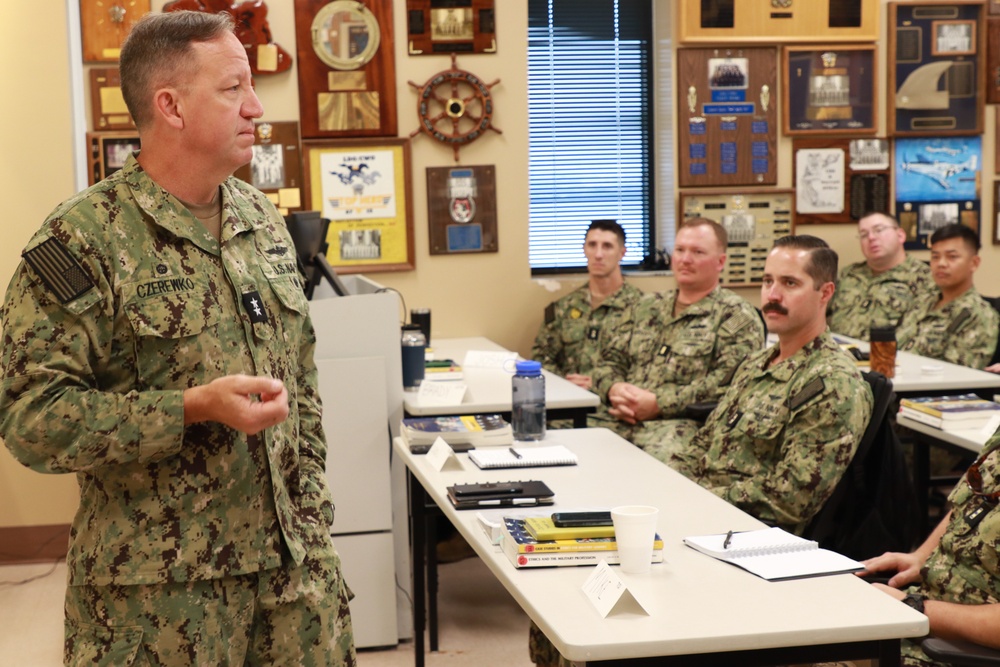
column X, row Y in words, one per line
column 729, row 538
column 514, row 452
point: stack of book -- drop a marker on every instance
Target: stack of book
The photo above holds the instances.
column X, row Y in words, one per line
column 442, row 369
column 462, row 433
column 967, row 411
column 524, row 550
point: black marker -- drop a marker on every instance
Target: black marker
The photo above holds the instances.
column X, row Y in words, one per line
column 514, row 452
column 729, row 538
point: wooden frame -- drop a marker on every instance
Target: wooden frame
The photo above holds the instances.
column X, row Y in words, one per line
column 107, row 152
column 727, row 108
column 996, row 212
column 962, row 43
column 105, row 25
column 861, row 184
column 993, row 60
column 934, row 89
column 364, row 188
column 438, row 27
column 276, row 167
column 764, row 21
column 462, row 209
column 829, row 89
column 993, row 6
column 754, row 218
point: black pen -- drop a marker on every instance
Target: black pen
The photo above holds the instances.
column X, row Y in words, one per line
column 514, row 452
column 729, row 538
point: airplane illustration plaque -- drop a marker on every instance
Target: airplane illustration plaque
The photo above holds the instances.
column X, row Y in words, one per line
column 937, row 183
column 937, row 81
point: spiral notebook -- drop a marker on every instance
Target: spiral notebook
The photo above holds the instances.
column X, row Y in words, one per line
column 774, row 554
column 522, row 457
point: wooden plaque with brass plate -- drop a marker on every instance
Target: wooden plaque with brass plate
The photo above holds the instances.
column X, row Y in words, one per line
column 462, row 209
column 104, row 24
column 276, row 166
column 993, row 60
column 347, row 71
column 727, row 116
column 450, row 26
column 777, row 21
column 754, row 218
column 106, row 102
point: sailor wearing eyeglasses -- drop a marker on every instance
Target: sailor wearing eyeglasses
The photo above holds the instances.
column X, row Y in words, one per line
column 954, row 576
column 879, row 290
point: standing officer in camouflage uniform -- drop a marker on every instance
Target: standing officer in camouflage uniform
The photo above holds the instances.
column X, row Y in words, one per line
column 678, row 347
column 881, row 289
column 953, row 323
column 577, row 326
column 791, row 420
column 954, row 574
column 158, row 343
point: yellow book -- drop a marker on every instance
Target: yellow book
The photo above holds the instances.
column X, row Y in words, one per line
column 542, row 528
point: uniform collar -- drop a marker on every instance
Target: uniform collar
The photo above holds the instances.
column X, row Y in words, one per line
column 790, row 366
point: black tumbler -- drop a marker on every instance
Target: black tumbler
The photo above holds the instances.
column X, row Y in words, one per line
column 422, row 317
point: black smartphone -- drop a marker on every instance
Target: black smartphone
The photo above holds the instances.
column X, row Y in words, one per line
column 577, row 519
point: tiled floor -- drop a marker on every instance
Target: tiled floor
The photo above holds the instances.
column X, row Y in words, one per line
column 480, row 624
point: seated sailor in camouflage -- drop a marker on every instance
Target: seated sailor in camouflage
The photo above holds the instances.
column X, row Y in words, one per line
column 578, row 325
column 157, row 342
column 680, row 346
column 881, row 289
column 793, row 415
column 953, row 323
column 954, row 576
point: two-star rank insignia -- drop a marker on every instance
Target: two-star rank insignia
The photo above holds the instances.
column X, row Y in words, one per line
column 254, row 306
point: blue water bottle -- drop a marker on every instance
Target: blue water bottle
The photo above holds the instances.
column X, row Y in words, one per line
column 528, row 401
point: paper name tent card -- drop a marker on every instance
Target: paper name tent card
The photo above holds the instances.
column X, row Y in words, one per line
column 774, row 554
column 522, row 457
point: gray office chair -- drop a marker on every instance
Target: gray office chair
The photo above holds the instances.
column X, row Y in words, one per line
column 959, row 653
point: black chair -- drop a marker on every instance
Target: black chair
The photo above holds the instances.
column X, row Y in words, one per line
column 960, row 653
column 874, row 507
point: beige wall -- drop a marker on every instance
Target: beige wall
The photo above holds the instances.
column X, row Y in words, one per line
column 491, row 294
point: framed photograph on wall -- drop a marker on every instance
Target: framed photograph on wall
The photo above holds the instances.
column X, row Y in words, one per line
column 830, row 89
column 108, row 151
column 434, row 27
column 363, row 187
column 937, row 183
column 839, row 180
column 937, row 80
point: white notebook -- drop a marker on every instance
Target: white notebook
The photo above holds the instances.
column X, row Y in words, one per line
column 774, row 554
column 522, row 457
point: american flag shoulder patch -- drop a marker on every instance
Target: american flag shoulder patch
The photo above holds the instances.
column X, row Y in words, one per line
column 736, row 322
column 59, row 270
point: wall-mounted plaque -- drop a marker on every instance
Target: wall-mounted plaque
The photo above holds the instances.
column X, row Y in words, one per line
column 752, row 218
column 727, row 116
column 104, row 24
column 107, row 105
column 107, row 152
column 777, row 21
column 829, row 89
column 993, row 6
column 841, row 180
column 937, row 183
column 462, row 209
column 450, row 26
column 936, row 79
column 993, row 60
column 363, row 188
column 346, row 68
column 276, row 166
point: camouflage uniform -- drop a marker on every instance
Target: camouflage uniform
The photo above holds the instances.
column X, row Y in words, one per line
column 962, row 332
column 125, row 300
column 781, row 437
column 573, row 335
column 864, row 298
column 963, row 568
column 681, row 359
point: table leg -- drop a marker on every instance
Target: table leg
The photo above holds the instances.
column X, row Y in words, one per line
column 431, row 519
column 418, row 552
column 580, row 418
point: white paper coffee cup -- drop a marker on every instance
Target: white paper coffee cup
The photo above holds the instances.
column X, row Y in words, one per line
column 635, row 531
